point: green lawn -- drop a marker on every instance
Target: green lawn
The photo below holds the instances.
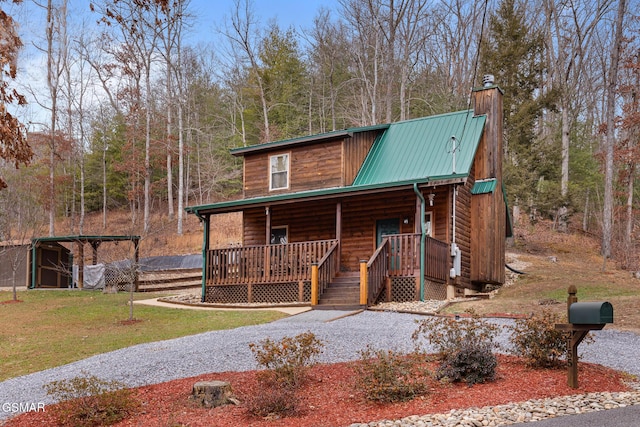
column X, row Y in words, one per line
column 51, row 328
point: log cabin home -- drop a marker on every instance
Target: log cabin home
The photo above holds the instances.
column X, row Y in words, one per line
column 405, row 211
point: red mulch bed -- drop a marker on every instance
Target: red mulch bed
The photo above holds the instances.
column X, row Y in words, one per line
column 329, row 398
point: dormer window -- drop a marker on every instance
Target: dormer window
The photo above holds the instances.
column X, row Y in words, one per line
column 279, row 172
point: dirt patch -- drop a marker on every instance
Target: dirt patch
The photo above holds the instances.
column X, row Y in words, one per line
column 130, row 322
column 11, row 301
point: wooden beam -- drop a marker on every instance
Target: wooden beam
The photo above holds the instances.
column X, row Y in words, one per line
column 267, row 211
column 80, row 264
column 94, row 247
column 338, row 234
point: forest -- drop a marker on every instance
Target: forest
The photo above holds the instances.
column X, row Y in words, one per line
column 137, row 116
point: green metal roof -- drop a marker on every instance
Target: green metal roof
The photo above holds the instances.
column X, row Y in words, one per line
column 484, row 186
column 84, row 238
column 419, row 148
column 345, row 133
column 414, row 151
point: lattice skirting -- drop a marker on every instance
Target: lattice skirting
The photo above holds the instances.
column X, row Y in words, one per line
column 435, row 290
column 404, row 289
column 269, row 293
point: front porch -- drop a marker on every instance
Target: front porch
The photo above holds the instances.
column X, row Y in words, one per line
column 309, row 272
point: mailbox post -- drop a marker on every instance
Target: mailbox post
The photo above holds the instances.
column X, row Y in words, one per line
column 583, row 317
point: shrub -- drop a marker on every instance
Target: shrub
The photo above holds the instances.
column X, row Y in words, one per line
column 448, row 335
column 538, row 341
column 272, row 401
column 463, row 345
column 90, row 401
column 388, row 376
column 286, row 363
column 472, row 363
column 287, row 360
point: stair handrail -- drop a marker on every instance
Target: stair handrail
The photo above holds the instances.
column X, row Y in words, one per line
column 377, row 271
column 327, row 268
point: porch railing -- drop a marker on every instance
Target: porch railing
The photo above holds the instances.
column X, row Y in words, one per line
column 437, row 256
column 289, row 262
column 399, row 256
column 327, row 268
column 377, row 272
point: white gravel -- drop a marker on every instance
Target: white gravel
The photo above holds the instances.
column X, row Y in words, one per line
column 227, row 350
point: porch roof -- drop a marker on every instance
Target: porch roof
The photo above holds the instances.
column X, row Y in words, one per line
column 324, row 193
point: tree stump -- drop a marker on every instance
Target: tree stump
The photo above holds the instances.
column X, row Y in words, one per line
column 211, row 394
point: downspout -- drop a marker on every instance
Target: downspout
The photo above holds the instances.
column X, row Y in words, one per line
column 423, row 236
column 205, row 249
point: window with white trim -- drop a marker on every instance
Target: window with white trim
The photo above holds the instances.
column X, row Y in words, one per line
column 279, row 171
column 428, row 223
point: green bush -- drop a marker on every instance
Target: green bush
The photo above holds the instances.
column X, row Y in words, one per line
column 285, row 364
column 464, row 346
column 388, row 376
column 448, row 335
column 90, row 401
column 472, row 363
column 538, row 341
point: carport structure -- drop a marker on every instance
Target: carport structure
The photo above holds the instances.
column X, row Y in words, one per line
column 46, row 260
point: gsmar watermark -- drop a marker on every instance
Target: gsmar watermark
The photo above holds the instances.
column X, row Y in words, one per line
column 22, row 407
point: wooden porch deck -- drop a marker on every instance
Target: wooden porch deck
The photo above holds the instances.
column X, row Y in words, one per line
column 315, row 264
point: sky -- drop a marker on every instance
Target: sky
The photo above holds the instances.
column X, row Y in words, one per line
column 209, row 15
column 297, row 13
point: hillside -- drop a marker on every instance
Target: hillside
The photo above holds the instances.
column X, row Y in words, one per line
column 551, row 262
column 162, row 239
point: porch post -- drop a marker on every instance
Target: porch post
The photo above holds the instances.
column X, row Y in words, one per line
column 314, row 284
column 267, row 250
column 136, row 262
column 80, row 264
column 338, row 234
column 205, row 220
column 94, row 252
column 364, row 285
column 423, row 234
column 34, row 260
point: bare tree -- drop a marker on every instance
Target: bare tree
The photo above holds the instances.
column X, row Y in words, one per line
column 171, row 36
column 612, row 86
column 630, row 133
column 570, row 27
column 56, row 58
column 138, row 34
column 243, row 36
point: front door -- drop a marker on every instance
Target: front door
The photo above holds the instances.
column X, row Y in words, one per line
column 385, row 227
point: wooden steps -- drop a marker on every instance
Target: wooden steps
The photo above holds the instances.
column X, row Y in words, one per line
column 170, row 280
column 342, row 293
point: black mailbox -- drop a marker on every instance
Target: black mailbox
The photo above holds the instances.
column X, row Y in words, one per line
column 592, row 313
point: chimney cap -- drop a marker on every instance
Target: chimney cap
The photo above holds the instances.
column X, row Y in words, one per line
column 488, row 80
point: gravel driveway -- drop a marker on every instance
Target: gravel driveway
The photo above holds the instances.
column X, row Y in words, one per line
column 228, row 350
